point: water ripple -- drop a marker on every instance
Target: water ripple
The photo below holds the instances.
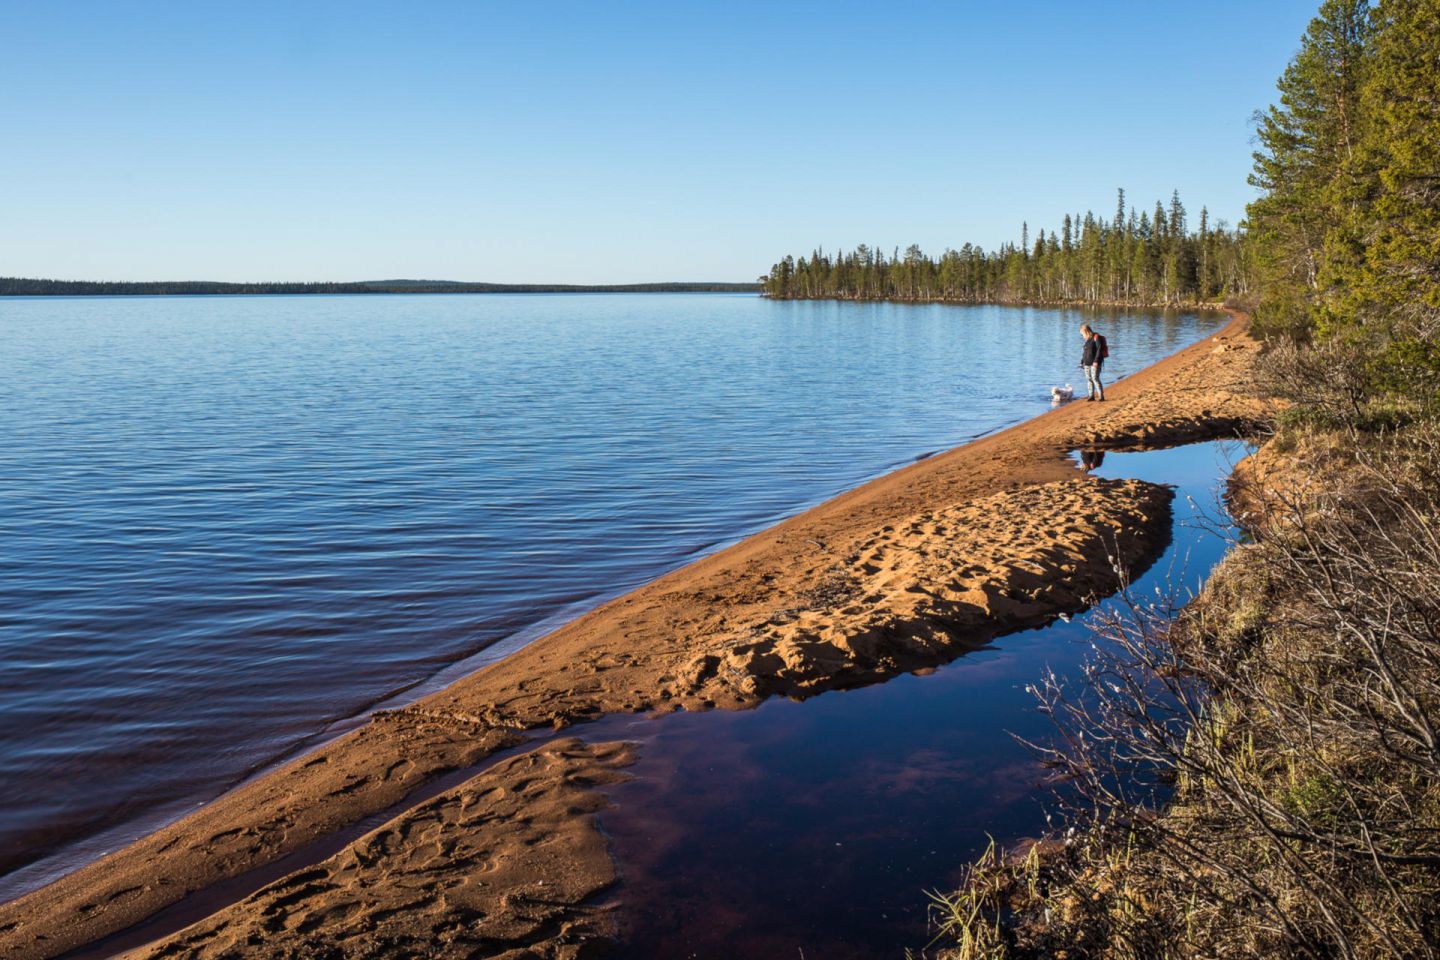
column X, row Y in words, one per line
column 227, row 522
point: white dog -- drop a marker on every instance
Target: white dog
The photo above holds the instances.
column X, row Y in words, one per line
column 1063, row 394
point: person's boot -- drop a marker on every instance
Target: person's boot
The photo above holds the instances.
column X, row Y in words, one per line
column 1090, row 399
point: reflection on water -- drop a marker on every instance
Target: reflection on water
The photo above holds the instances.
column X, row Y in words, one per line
column 819, row 826
column 229, row 522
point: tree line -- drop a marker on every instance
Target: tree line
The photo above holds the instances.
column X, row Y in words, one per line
column 1347, row 229
column 1139, row 256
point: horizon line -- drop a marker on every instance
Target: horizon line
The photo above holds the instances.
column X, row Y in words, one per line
column 35, row 286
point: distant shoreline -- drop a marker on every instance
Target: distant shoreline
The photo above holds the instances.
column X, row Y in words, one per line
column 26, row 287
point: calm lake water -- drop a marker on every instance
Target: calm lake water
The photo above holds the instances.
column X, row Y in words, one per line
column 229, row 524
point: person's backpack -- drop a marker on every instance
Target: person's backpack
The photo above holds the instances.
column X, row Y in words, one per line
column 1104, row 346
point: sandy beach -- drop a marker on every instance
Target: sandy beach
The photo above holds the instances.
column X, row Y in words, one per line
column 903, row 573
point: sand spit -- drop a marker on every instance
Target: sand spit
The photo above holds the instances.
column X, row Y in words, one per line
column 915, row 592
column 504, row 866
column 909, row 570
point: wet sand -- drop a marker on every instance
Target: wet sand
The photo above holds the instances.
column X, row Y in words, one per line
column 443, row 879
column 905, row 572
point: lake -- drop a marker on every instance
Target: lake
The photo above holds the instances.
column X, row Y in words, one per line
column 230, row 525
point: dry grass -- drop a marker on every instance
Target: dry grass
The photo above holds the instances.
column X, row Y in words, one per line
column 1261, row 776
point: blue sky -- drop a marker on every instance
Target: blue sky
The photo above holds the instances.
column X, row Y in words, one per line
column 601, row 142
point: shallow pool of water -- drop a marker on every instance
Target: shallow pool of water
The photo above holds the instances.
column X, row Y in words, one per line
column 815, row 829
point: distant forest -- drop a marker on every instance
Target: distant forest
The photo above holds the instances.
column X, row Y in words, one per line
column 1136, row 258
column 21, row 287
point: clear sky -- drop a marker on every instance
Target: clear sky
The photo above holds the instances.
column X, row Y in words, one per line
column 596, row 142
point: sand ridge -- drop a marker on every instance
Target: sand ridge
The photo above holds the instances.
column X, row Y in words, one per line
column 505, row 865
column 911, row 569
column 916, row 592
column 273, row 816
column 913, row 594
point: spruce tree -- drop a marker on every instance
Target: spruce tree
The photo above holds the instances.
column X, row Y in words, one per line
column 1203, row 277
column 1394, row 284
column 1306, row 145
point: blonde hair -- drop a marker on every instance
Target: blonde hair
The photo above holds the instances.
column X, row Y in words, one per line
column 1085, row 328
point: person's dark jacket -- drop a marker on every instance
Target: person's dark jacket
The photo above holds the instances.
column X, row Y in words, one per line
column 1091, row 353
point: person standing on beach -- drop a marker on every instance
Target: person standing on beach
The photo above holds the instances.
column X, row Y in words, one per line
column 1092, row 358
